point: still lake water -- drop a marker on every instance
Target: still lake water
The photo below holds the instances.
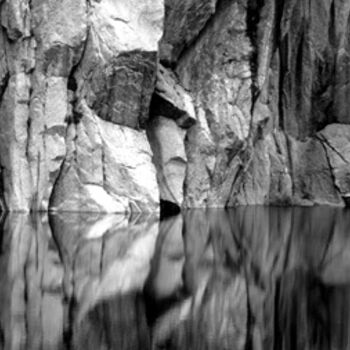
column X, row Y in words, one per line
column 251, row 278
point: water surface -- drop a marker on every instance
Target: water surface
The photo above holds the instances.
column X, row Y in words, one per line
column 250, row 278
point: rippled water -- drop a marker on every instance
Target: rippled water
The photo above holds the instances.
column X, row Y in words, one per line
column 251, row 278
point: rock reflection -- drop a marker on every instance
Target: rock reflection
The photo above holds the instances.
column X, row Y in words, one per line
column 250, row 278
column 107, row 260
column 260, row 278
column 30, row 285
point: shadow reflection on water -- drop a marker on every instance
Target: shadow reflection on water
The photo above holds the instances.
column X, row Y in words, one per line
column 249, row 278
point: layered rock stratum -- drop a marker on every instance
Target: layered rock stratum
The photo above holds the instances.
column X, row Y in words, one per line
column 116, row 105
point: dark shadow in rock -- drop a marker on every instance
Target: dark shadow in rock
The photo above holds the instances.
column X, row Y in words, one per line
column 168, row 209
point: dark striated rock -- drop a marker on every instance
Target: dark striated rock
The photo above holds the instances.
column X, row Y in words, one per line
column 313, row 46
column 118, row 70
column 184, row 20
column 171, row 100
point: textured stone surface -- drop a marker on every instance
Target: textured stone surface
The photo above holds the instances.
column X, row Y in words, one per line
column 314, row 66
column 118, row 70
column 14, row 109
column 262, row 88
column 336, row 140
column 265, row 78
column 171, row 100
column 167, row 143
column 216, row 69
column 286, row 171
column 184, row 21
column 54, row 56
column 107, row 168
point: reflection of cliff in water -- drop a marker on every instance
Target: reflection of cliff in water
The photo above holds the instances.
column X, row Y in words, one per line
column 250, row 278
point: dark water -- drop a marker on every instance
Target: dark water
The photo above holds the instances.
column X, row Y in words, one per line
column 251, row 278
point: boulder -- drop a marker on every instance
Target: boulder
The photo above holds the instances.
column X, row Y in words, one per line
column 286, row 171
column 118, row 70
column 169, row 157
column 108, row 168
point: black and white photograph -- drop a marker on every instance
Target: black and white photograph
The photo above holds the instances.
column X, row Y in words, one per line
column 174, row 174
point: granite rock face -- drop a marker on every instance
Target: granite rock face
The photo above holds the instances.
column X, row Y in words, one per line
column 267, row 79
column 107, row 168
column 184, row 21
column 56, row 57
column 167, row 142
column 117, row 105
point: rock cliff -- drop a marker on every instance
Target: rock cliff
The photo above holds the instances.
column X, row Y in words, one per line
column 116, row 105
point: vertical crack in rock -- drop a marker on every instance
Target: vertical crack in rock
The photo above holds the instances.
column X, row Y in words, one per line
column 277, row 48
column 290, row 163
column 73, row 113
column 4, row 84
column 254, row 8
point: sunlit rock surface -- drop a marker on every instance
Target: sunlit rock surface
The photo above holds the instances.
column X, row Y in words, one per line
column 253, row 277
column 55, row 57
column 169, row 156
column 108, row 168
column 261, row 89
